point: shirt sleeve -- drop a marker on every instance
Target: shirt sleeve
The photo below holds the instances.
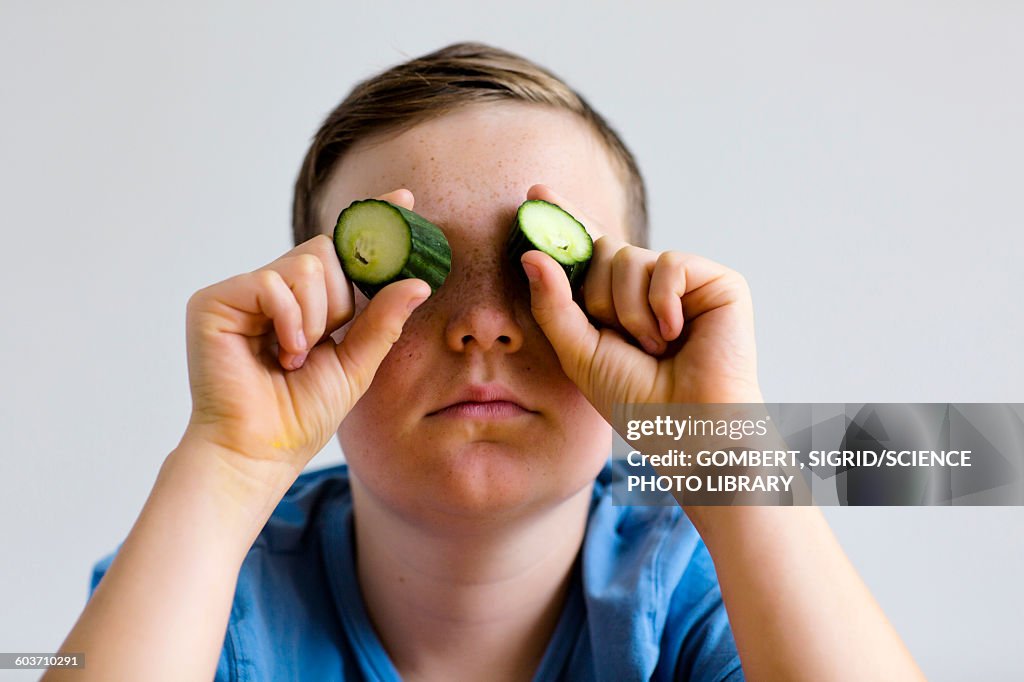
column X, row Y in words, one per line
column 100, row 569
column 698, row 627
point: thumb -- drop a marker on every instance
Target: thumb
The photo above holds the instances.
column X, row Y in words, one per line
column 375, row 331
column 563, row 322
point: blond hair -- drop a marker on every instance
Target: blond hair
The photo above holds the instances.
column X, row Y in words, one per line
column 437, row 83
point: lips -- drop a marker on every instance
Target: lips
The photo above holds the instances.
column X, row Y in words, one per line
column 483, row 401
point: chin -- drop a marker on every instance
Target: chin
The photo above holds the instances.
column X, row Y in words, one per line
column 482, row 475
column 479, row 482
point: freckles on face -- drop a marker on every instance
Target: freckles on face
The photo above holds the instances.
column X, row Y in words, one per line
column 477, row 162
column 469, row 171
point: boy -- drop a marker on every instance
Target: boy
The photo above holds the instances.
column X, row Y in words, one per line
column 471, row 535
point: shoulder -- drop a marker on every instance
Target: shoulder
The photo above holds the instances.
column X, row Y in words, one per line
column 289, row 524
column 651, row 591
column 302, row 508
column 283, row 621
column 650, row 546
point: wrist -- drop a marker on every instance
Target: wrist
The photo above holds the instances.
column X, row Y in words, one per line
column 244, row 493
column 725, row 528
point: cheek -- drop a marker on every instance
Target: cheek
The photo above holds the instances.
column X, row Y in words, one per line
column 403, row 354
column 583, row 441
column 404, row 373
column 403, row 385
column 387, row 447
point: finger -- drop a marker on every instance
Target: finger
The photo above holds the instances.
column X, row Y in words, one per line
column 337, row 289
column 304, row 275
column 253, row 303
column 631, row 284
column 597, row 286
column 565, row 325
column 270, row 297
column 708, row 285
column 376, row 330
column 545, row 193
column 668, row 284
column 340, row 294
column 400, row 197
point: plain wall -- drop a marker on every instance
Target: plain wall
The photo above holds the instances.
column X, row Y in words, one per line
column 860, row 163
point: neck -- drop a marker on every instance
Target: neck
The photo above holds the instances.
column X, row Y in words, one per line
column 474, row 600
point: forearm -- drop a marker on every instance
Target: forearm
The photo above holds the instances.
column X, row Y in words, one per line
column 797, row 607
column 161, row 611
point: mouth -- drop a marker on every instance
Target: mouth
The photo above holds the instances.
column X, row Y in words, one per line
column 492, row 409
column 483, row 402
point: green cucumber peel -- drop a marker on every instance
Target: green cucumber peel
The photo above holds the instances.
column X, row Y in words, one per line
column 379, row 243
column 543, row 226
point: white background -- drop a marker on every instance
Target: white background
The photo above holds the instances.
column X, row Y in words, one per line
column 860, row 163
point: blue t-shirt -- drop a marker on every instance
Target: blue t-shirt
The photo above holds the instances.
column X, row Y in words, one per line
column 643, row 604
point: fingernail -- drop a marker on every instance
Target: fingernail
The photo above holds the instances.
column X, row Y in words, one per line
column 663, row 328
column 532, row 271
column 649, row 344
column 298, row 360
column 300, row 339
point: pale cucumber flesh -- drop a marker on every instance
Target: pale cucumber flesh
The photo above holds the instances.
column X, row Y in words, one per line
column 379, row 243
column 549, row 228
column 373, row 242
column 555, row 232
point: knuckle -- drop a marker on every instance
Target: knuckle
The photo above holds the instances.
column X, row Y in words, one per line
column 201, row 298
column 673, row 260
column 738, row 281
column 195, row 300
column 308, row 265
column 388, row 333
column 543, row 315
column 634, row 320
column 661, row 299
column 539, row 312
column 383, row 329
column 268, row 279
column 604, row 246
column 355, row 375
column 598, row 305
column 322, row 241
column 622, row 257
column 737, row 285
column 192, row 311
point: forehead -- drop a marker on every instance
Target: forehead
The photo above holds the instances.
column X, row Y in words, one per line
column 473, row 166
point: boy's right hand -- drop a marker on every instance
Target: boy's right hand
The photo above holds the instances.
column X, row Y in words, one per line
column 266, row 405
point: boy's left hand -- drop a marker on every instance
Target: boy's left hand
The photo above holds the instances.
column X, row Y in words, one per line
column 693, row 317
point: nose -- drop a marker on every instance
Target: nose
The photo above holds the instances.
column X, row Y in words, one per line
column 482, row 314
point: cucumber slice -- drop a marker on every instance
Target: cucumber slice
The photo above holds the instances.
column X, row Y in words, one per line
column 549, row 228
column 379, row 243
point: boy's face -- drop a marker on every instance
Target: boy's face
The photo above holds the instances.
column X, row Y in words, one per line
column 469, row 170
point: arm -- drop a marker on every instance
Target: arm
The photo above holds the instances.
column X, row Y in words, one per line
column 797, row 608
column 162, row 608
column 264, row 402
